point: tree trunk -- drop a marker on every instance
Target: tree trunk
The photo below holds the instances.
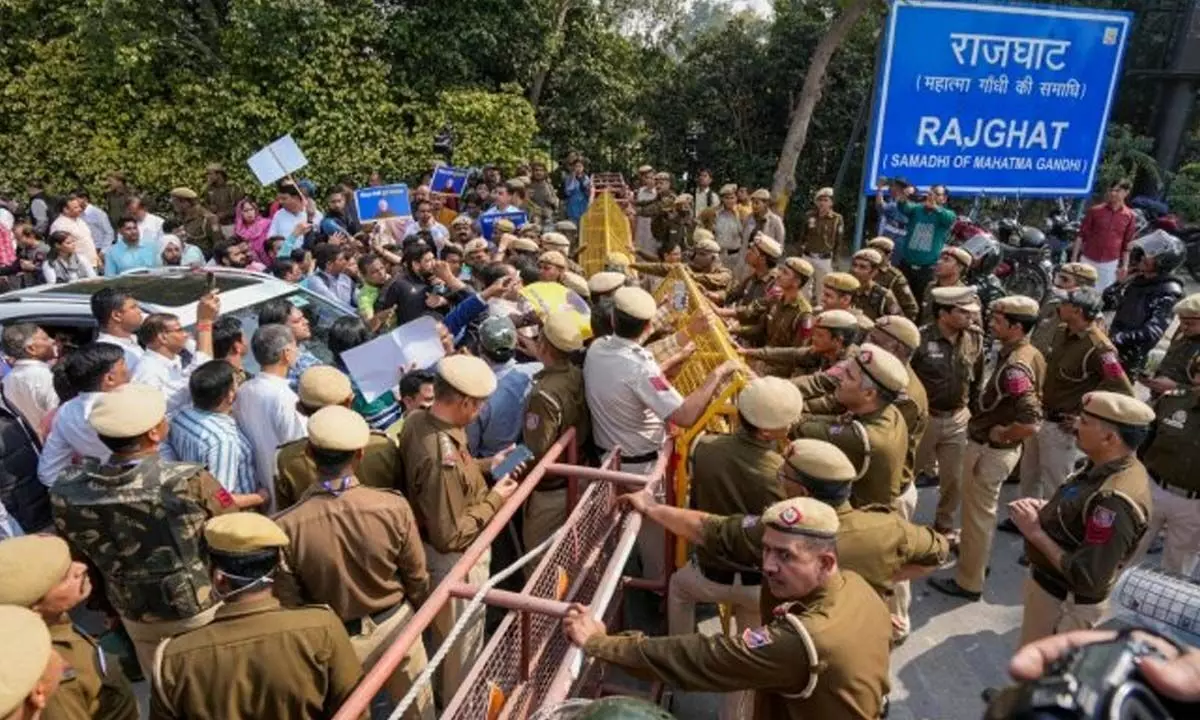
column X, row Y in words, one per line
column 556, row 43
column 810, row 94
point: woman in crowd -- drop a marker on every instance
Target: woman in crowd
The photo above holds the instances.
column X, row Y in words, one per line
column 63, row 263
column 250, row 225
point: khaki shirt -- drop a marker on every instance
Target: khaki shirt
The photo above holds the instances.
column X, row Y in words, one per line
column 1076, row 364
column 1047, row 326
column 357, row 551
column 257, row 660
column 295, row 471
column 822, row 234
column 949, row 370
column 1179, row 355
column 797, row 362
column 875, row 444
column 783, row 323
column 891, row 278
column 556, row 402
column 93, row 685
column 1012, row 394
column 752, row 287
column 1098, row 517
column 222, row 200
column 927, row 315
column 875, row 301
column 717, row 278
column 203, row 229
column 1171, row 451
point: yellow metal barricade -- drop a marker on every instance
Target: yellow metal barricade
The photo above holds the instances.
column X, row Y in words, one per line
column 603, row 229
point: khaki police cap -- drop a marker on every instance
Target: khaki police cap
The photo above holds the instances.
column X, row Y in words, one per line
column 728, row 189
column 901, row 328
column 683, row 198
column 707, row 245
column 26, row 654
column 504, row 225
column 882, row 367
column 606, row 282
column 555, row 240
column 802, row 516
column 645, row 169
column 1189, row 307
column 468, row 375
column 961, row 296
column 842, row 282
column 322, row 385
column 635, row 302
column 761, row 194
column 820, row 460
column 702, row 234
column 338, row 428
column 243, row 533
column 31, row 566
column 883, row 244
column 565, row 226
column 799, row 265
column 576, row 283
column 462, row 220
column 531, row 230
column 507, row 239
column 184, row 193
column 516, row 183
column 131, row 410
column 1118, row 408
column 475, row 245
column 837, row 320
column 962, row 256
column 768, row 245
column 1016, row 305
column 823, row 192
column 553, row 257
column 771, row 403
column 1082, row 272
column 871, row 255
column 561, row 329
column 524, row 244
column 617, row 259
column 662, row 176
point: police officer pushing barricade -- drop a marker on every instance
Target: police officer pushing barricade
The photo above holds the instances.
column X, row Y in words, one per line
column 138, row 518
column 255, row 659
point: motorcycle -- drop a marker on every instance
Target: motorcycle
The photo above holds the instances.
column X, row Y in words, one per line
column 1025, row 267
column 1061, row 231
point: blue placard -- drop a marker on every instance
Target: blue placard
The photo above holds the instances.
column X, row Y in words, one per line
column 378, row 203
column 449, row 180
column 487, row 222
column 995, row 99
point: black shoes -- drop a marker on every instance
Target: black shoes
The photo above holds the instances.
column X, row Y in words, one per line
column 950, row 586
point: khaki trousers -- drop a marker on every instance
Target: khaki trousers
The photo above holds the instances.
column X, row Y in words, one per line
column 1048, row 458
column 901, row 598
column 147, row 636
column 545, row 512
column 821, row 268
column 1044, row 615
column 652, row 539
column 1181, row 517
column 943, row 446
column 984, row 471
column 373, row 641
column 469, row 644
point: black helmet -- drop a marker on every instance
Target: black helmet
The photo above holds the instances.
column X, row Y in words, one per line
column 1166, row 250
column 1031, row 237
column 986, row 253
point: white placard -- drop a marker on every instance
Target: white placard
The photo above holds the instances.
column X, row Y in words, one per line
column 375, row 366
column 277, row 160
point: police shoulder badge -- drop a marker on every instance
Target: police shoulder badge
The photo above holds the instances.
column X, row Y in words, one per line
column 749, row 521
column 1110, row 364
column 448, row 452
column 532, row 420
column 1100, row 526
column 754, row 638
column 1017, row 382
column 660, row 383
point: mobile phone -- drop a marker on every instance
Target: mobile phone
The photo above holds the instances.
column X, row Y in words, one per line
column 210, row 282
column 518, row 455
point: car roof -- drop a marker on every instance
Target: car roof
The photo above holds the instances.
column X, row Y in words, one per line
column 169, row 290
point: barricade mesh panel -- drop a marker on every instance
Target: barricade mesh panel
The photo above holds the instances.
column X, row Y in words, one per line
column 603, row 229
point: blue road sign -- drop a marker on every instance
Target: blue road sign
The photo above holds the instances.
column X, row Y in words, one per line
column 995, row 99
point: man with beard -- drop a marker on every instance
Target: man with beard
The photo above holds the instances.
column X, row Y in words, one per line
column 408, row 291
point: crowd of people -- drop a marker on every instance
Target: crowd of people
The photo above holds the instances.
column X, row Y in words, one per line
column 269, row 535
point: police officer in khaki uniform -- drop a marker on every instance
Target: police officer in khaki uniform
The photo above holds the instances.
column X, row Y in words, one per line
column 838, row 291
column 322, row 386
column 561, row 243
column 873, row 299
column 1079, row 540
column 823, row 653
column 30, row 668
column 833, row 337
column 762, row 255
column 1010, row 410
column 202, row 228
column 948, row 272
column 949, row 363
column 556, row 402
column 891, row 278
column 256, row 659
column 824, row 232
column 763, row 219
column 714, row 279
column 39, row 574
column 784, row 317
column 357, row 550
column 449, row 495
column 1171, row 455
column 1185, row 345
column 1081, row 359
column 1069, row 277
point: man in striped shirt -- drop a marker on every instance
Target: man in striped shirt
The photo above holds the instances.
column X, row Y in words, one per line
column 206, row 433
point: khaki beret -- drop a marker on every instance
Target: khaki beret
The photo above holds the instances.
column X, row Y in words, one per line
column 553, row 257
column 882, row 367
column 26, row 654
column 507, row 238
column 799, row 265
column 761, row 194
column 335, row 427
column 1017, row 305
column 524, row 244
column 475, row 245
column 900, row 328
column 865, row 323
column 561, row 330
column 871, row 255
column 707, row 245
column 767, row 245
column 531, row 230
column 682, row 198
column 837, row 320
column 555, row 240
column 820, row 460
column 606, row 282
column 823, row 192
column 462, row 220
column 131, row 410
column 702, row 234
column 468, row 375
column 516, row 183
column 771, row 403
column 645, row 169
column 1085, row 274
column 243, row 533
column 883, row 244
column 962, row 256
column 662, row 176
column 1118, row 408
column 728, row 189
column 323, row 385
column 504, row 225
column 31, row 566
column 1189, row 307
column 842, row 282
column 962, row 296
column 802, row 516
column 565, row 226
column 576, row 283
column 617, row 259
column 635, row 302
column 184, row 193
